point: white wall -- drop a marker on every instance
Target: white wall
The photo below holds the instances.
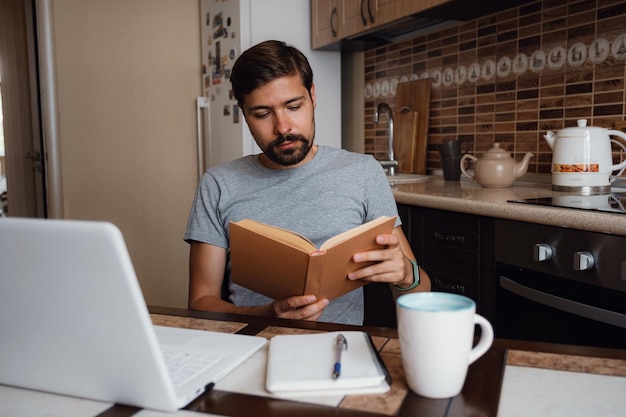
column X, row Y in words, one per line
column 290, row 21
column 251, row 22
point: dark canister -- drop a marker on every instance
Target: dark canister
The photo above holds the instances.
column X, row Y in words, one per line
column 450, row 152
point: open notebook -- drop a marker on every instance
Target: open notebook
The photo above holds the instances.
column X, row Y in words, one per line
column 74, row 321
column 303, row 364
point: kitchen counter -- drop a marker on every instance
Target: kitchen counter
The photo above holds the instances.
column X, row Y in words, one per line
column 466, row 196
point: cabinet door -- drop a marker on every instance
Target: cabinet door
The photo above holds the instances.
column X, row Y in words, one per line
column 325, row 22
column 358, row 16
column 362, row 15
column 367, row 14
column 387, row 11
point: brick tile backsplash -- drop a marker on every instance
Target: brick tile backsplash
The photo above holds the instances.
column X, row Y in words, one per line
column 509, row 77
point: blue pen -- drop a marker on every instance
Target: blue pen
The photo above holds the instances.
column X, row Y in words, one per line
column 340, row 345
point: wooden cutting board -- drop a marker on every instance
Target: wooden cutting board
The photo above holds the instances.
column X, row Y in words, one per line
column 416, row 96
column 405, row 139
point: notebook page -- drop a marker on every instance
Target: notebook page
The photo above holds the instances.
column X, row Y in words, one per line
column 306, row 362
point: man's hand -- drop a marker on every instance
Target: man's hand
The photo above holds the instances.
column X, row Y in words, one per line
column 302, row 307
column 391, row 264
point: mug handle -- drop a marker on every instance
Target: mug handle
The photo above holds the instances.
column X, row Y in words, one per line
column 486, row 338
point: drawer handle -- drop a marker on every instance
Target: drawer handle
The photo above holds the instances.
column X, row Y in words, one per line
column 450, row 238
column 457, row 288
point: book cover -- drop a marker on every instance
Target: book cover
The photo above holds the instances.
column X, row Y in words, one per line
column 304, row 363
column 280, row 263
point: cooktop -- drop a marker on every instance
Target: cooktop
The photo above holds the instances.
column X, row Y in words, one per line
column 615, row 202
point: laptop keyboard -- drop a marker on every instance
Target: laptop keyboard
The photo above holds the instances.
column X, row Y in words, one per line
column 184, row 366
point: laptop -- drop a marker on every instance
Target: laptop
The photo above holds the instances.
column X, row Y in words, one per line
column 73, row 321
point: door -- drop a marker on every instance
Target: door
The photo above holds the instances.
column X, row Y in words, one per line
column 23, row 159
column 540, row 307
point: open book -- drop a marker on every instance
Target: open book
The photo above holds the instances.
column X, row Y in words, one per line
column 304, row 363
column 280, row 263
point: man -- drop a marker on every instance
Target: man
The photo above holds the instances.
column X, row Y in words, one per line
column 314, row 190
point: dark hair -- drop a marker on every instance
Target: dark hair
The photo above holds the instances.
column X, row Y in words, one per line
column 266, row 62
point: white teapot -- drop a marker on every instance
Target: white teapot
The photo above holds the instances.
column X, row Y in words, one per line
column 496, row 169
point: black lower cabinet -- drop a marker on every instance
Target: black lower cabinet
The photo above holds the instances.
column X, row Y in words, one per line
column 380, row 308
column 455, row 249
column 458, row 254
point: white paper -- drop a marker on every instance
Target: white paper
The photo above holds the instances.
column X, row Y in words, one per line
column 17, row 402
column 179, row 413
column 249, row 378
column 551, row 393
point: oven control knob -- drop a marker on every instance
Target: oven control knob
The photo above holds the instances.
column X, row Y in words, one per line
column 583, row 260
column 542, row 252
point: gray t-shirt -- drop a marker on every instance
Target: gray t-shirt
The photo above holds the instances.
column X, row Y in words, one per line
column 336, row 191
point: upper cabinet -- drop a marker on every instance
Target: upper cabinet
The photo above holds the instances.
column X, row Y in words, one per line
column 335, row 20
column 367, row 14
column 361, row 24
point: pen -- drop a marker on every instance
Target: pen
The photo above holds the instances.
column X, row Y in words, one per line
column 340, row 345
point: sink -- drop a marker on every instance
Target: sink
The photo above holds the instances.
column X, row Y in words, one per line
column 406, row 178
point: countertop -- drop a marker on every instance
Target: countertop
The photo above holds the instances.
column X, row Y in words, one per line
column 466, row 196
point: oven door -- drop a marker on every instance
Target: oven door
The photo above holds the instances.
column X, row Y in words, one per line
column 539, row 307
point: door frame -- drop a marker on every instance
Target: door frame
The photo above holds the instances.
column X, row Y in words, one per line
column 25, row 155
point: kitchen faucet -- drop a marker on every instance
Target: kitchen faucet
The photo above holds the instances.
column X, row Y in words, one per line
column 390, row 164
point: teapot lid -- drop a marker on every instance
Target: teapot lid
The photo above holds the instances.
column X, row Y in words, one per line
column 497, row 152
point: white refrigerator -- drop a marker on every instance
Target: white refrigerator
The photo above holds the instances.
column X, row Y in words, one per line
column 232, row 26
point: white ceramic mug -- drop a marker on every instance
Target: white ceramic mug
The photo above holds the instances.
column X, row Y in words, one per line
column 436, row 331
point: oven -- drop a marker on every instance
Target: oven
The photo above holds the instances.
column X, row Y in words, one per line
column 560, row 285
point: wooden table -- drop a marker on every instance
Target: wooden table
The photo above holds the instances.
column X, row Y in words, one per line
column 479, row 397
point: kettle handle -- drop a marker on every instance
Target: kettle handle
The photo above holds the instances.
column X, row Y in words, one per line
column 622, row 135
column 617, row 133
column 462, row 164
column 621, row 145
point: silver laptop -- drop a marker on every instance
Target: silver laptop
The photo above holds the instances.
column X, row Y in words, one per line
column 73, row 321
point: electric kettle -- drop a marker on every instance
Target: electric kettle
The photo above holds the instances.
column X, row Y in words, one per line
column 582, row 158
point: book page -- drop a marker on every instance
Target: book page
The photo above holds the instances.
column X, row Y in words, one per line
column 348, row 234
column 288, row 237
column 306, row 362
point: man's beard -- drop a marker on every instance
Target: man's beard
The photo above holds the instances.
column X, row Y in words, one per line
column 290, row 156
